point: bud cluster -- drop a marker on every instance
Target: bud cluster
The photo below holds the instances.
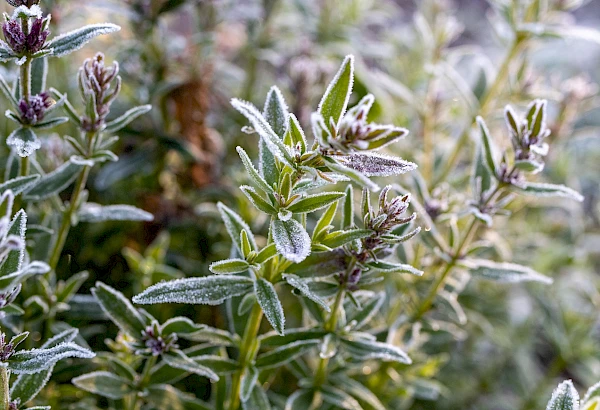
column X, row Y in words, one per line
column 528, row 136
column 26, row 3
column 33, row 110
column 6, row 348
column 24, row 38
column 155, row 343
column 95, row 80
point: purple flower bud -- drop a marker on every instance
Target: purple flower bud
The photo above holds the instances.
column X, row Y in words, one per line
column 95, row 79
column 33, row 111
column 17, row 3
column 37, row 36
column 6, row 349
column 15, row 38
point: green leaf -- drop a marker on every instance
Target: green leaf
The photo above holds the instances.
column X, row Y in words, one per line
column 387, row 267
column 592, row 393
column 34, row 268
column 214, row 335
column 273, row 339
column 208, row 290
column 104, row 384
column 348, row 212
column 360, row 392
column 371, row 164
column 339, row 398
column 36, row 360
column 179, row 360
column 182, row 326
column 229, row 266
column 311, row 203
column 259, row 202
column 56, row 181
column 300, row 400
column 19, row 184
column 249, row 379
column 130, row 115
column 68, row 289
column 24, row 141
column 291, row 239
column 74, row 40
column 119, row 309
column 266, row 253
column 363, row 349
column 547, row 190
column 285, row 354
column 274, row 144
column 335, row 100
column 253, row 173
column 300, row 284
column 268, row 300
column 234, row 225
column 324, row 223
column 217, row 364
column 488, row 147
column 296, row 134
column 164, row 396
column 14, row 260
column 258, row 400
column 370, row 309
column 565, row 397
column 275, row 112
column 92, row 212
column 503, row 272
column 339, row 238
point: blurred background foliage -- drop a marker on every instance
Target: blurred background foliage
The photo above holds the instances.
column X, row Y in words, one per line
column 429, row 64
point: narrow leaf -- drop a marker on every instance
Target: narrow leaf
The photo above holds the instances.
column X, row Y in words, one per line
column 74, row 40
column 335, row 100
column 291, row 239
column 268, row 300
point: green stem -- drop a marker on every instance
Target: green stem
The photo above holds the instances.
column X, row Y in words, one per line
column 485, row 106
column 65, row 225
column 142, row 381
column 247, row 354
column 426, row 304
column 4, row 389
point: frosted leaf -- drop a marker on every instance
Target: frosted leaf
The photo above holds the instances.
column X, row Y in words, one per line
column 92, row 212
column 503, row 272
column 285, row 354
column 234, row 225
column 208, row 290
column 23, row 141
column 258, row 399
column 27, row 386
column 260, row 124
column 127, row 117
column 298, row 283
column 17, row 227
column 249, row 379
column 6, row 54
column 178, row 360
column 119, row 309
column 252, row 172
column 36, row 360
column 547, row 190
column 74, row 40
column 268, row 300
column 291, row 239
column 335, row 100
column 592, row 392
column 29, row 270
column 371, row 164
column 104, row 384
column 56, row 181
column 19, row 184
column 339, row 399
column 276, row 111
column 363, row 349
column 564, row 397
column 284, row 215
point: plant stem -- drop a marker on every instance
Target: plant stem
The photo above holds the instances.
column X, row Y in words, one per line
column 25, row 80
column 65, row 225
column 4, row 389
column 426, row 304
column 483, row 110
column 144, row 377
column 247, row 353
